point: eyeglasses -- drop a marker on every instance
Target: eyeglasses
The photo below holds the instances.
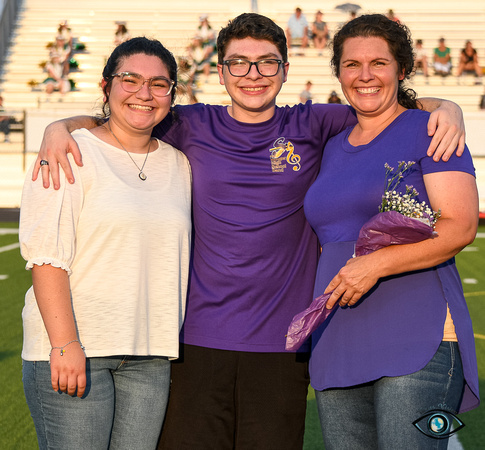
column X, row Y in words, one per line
column 133, row 82
column 241, row 67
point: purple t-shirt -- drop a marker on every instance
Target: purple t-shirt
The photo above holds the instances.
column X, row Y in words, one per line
column 397, row 327
column 254, row 255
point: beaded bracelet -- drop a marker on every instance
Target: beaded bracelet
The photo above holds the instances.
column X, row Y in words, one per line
column 62, row 348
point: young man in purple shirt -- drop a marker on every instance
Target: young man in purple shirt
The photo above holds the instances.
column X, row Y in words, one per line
column 254, row 255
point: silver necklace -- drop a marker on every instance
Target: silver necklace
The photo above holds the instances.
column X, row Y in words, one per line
column 141, row 174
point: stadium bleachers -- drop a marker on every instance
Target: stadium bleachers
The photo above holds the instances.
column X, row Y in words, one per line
column 93, row 23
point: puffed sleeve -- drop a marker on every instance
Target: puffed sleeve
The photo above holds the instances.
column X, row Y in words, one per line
column 48, row 220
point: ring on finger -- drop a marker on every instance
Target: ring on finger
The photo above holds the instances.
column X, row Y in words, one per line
column 44, row 162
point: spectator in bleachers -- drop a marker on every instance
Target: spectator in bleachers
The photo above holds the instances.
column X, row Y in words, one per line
column 63, row 50
column 206, row 32
column 352, row 15
column 64, row 31
column 4, row 122
column 421, row 60
column 469, row 62
column 334, row 98
column 320, row 33
column 391, row 16
column 442, row 59
column 56, row 80
column 121, row 34
column 297, row 30
column 199, row 56
column 481, row 105
column 254, row 6
column 69, row 39
column 306, row 94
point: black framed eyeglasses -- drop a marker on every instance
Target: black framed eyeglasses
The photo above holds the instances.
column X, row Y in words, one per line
column 241, row 67
column 133, row 82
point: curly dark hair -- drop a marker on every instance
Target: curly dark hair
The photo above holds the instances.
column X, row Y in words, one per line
column 254, row 26
column 136, row 46
column 397, row 36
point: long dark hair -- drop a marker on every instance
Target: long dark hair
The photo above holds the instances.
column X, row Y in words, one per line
column 397, row 36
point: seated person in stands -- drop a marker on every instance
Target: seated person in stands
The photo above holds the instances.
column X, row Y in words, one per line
column 121, row 34
column 352, row 15
column 390, row 15
column 297, row 29
column 334, row 98
column 206, row 32
column 320, row 32
column 64, row 31
column 62, row 49
column 306, row 94
column 4, row 122
column 199, row 57
column 442, row 59
column 56, row 79
column 421, row 60
column 469, row 61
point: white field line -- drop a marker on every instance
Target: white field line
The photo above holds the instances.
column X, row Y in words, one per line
column 9, row 247
column 5, row 231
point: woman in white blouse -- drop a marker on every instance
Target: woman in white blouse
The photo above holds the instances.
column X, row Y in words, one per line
column 109, row 256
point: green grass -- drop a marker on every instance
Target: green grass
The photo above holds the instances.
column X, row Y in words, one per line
column 17, row 429
column 471, row 263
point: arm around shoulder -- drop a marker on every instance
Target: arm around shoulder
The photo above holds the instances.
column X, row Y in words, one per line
column 56, row 144
column 446, row 125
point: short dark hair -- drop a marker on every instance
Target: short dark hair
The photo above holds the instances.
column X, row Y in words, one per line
column 136, row 46
column 397, row 36
column 254, row 26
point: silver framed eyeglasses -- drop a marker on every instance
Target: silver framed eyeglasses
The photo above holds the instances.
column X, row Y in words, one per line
column 133, row 82
column 241, row 67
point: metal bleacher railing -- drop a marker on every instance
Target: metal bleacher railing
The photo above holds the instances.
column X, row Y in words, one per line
column 8, row 13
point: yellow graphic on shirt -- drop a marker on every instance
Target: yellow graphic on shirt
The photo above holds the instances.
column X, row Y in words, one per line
column 283, row 153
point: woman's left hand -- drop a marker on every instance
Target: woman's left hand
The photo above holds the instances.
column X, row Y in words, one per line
column 353, row 280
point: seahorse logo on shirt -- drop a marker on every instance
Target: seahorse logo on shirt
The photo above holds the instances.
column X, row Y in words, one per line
column 281, row 153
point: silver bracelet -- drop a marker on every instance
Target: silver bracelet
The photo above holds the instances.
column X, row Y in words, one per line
column 62, row 348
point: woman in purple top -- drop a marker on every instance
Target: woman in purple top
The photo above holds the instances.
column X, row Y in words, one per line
column 400, row 346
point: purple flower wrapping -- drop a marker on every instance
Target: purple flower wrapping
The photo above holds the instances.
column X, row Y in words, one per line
column 306, row 322
column 384, row 229
column 390, row 228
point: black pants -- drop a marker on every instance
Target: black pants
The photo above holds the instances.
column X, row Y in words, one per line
column 224, row 400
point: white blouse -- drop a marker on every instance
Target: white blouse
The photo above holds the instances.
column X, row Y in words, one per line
column 124, row 242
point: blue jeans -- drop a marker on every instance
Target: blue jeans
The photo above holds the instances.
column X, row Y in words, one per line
column 123, row 407
column 380, row 414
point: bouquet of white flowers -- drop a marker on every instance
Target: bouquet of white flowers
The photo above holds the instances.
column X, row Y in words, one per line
column 401, row 220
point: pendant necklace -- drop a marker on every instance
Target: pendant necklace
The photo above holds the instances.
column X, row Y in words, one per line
column 141, row 174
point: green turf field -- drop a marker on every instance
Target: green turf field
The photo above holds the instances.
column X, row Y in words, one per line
column 16, row 426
